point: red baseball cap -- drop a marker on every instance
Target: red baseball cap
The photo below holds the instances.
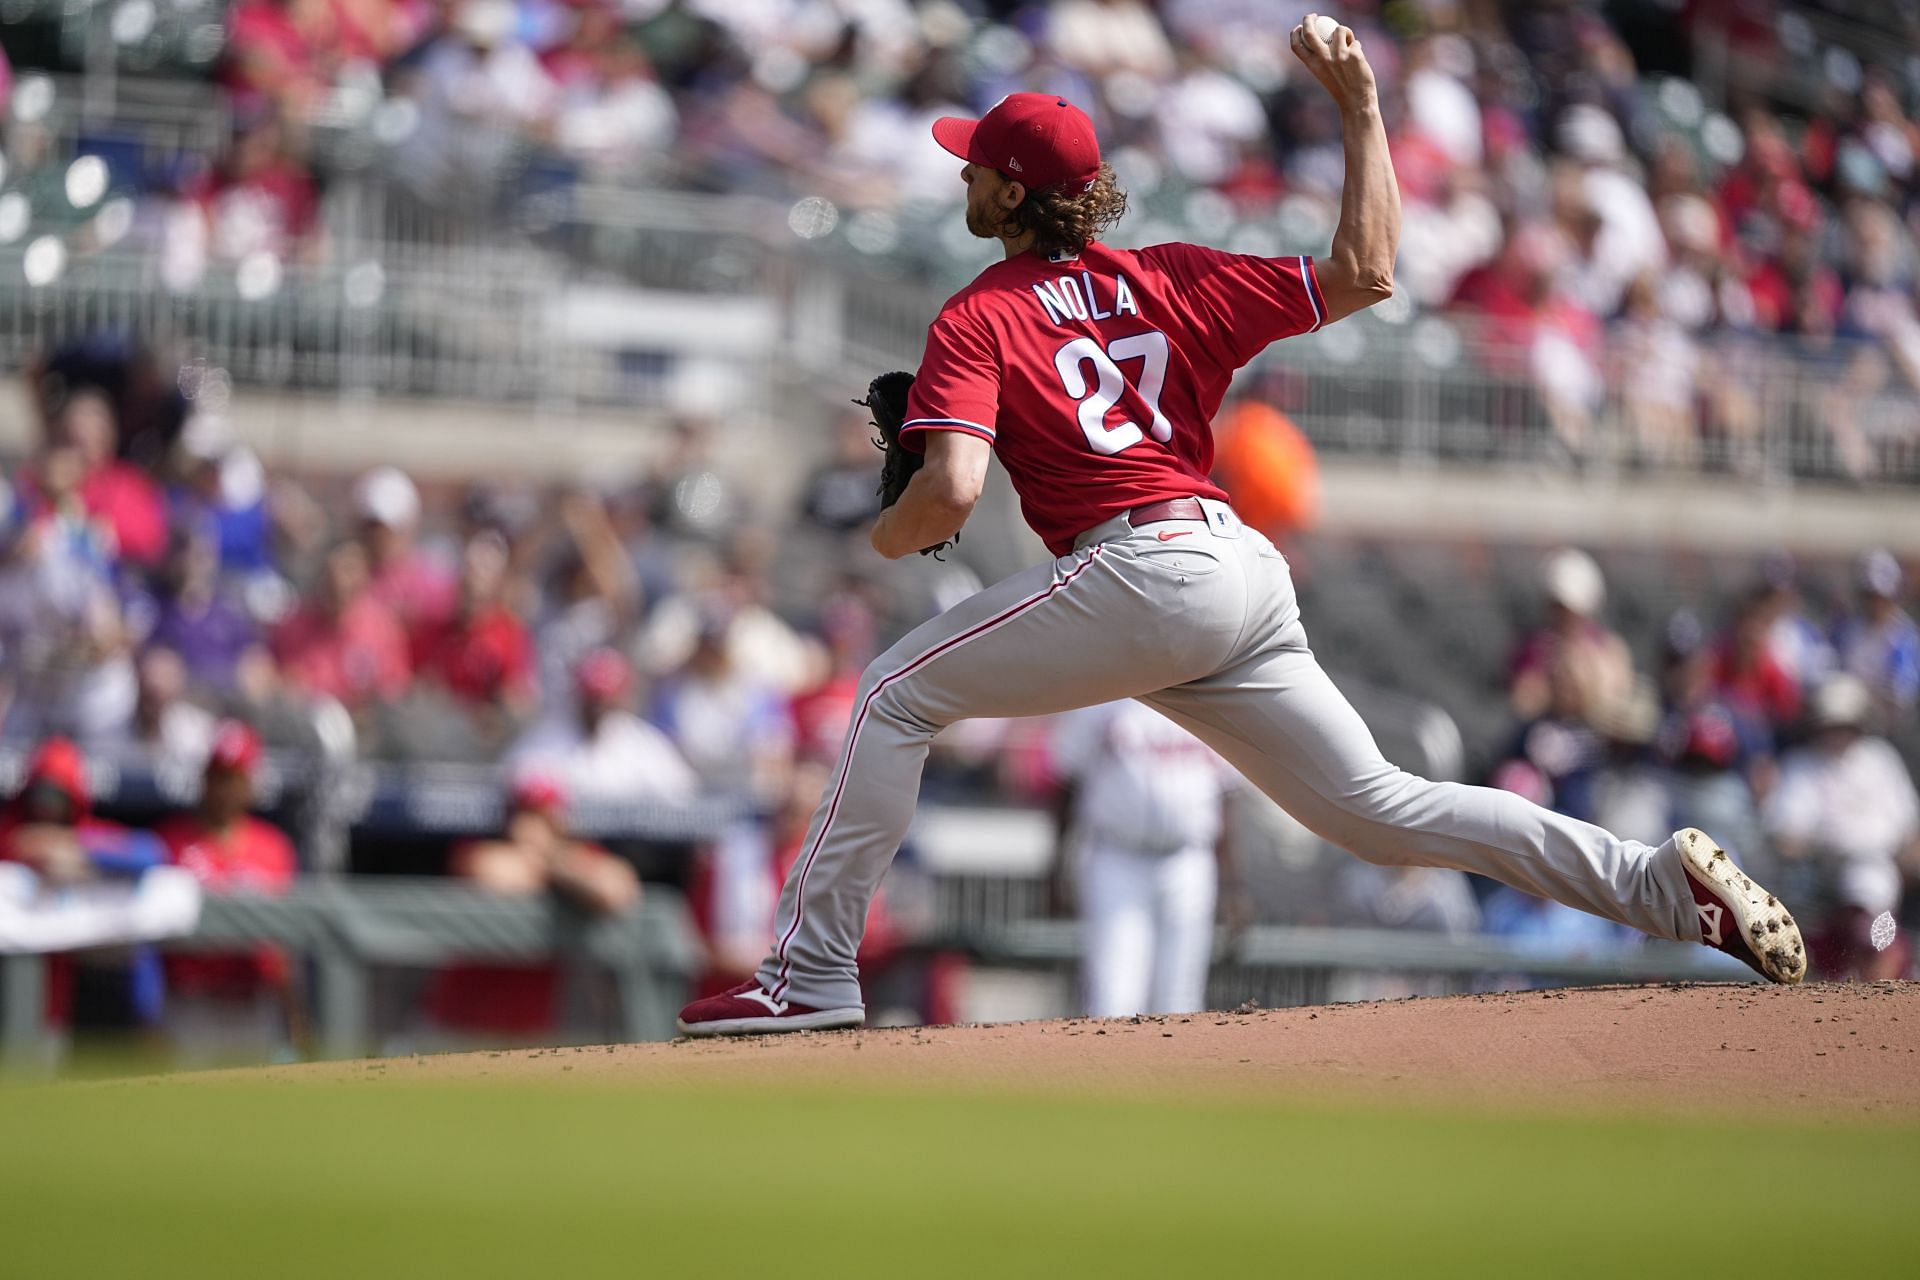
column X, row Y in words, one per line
column 537, row 793
column 58, row 763
column 1037, row 138
column 603, row 673
column 235, row 746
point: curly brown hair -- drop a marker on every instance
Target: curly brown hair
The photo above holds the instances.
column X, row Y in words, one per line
column 1066, row 217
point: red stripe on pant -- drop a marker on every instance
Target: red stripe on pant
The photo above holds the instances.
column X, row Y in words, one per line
column 853, row 737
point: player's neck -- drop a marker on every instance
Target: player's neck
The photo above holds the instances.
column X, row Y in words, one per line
column 1017, row 245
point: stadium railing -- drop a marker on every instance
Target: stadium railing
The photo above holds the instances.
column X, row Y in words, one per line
column 348, row 927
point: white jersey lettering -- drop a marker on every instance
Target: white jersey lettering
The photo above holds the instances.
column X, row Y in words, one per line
column 1093, row 297
column 1050, row 298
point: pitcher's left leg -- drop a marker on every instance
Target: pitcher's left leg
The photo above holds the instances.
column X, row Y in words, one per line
column 1087, row 628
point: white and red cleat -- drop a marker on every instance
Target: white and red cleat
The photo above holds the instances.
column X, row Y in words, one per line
column 748, row 1010
column 1736, row 915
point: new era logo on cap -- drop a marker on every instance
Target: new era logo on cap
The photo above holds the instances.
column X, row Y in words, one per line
column 1045, row 139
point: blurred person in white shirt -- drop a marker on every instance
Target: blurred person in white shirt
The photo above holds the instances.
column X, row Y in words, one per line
column 730, row 722
column 174, row 734
column 481, row 93
column 1143, row 828
column 1846, row 807
column 598, row 749
column 1101, row 37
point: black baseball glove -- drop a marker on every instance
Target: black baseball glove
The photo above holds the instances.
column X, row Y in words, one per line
column 887, row 402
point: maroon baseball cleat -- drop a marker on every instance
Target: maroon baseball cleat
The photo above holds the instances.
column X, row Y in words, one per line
column 1736, row 915
column 747, row 1010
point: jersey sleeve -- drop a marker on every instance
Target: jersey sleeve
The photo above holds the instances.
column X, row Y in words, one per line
column 958, row 385
column 1242, row 302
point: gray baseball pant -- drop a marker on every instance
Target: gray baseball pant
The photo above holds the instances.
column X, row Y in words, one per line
column 1198, row 620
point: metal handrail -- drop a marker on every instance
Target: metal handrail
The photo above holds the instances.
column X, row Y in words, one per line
column 350, row 926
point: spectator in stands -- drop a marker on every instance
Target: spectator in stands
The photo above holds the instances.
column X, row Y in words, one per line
column 694, row 499
column 840, row 495
column 1846, row 806
column 729, row 722
column 613, row 116
column 220, row 494
column 1573, row 649
column 344, row 643
column 1798, row 644
column 481, row 654
column 64, row 661
column 414, row 585
column 758, row 639
column 534, row 855
column 172, row 733
column 1656, row 370
column 592, row 600
column 49, row 826
column 1717, row 754
column 258, row 199
column 235, row 1006
column 1529, row 330
column 482, row 94
column 1880, row 643
column 820, row 715
column 205, row 625
column 117, row 494
column 1745, row 670
column 597, row 748
column 281, row 52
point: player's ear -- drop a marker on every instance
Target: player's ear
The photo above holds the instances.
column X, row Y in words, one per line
column 1012, row 192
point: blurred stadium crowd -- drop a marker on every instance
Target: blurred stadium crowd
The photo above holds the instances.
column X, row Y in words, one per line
column 1637, row 205
column 666, row 641
column 1616, row 237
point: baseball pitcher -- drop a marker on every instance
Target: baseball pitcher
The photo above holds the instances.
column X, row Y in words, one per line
column 1093, row 373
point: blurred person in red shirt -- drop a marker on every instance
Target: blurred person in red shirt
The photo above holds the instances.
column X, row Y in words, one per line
column 416, row 585
column 509, row 1003
column 344, row 642
column 481, row 652
column 1745, row 670
column 121, row 497
column 259, row 198
column 1530, row 330
column 231, row 1006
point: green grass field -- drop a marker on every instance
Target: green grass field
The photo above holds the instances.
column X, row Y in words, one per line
column 373, row 1179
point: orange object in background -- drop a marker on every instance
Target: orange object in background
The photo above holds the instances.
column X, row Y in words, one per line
column 1268, row 465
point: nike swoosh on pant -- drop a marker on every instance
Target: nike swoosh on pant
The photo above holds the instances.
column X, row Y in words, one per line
column 1169, row 537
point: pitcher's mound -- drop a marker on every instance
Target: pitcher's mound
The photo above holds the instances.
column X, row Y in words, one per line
column 1823, row 1047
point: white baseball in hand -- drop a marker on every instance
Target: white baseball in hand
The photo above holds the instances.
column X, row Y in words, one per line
column 1324, row 27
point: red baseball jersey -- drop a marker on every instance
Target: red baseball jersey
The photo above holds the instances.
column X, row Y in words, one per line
column 1096, row 376
column 253, row 856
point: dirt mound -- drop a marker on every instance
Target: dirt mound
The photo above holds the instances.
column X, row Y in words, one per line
column 1824, row 1048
